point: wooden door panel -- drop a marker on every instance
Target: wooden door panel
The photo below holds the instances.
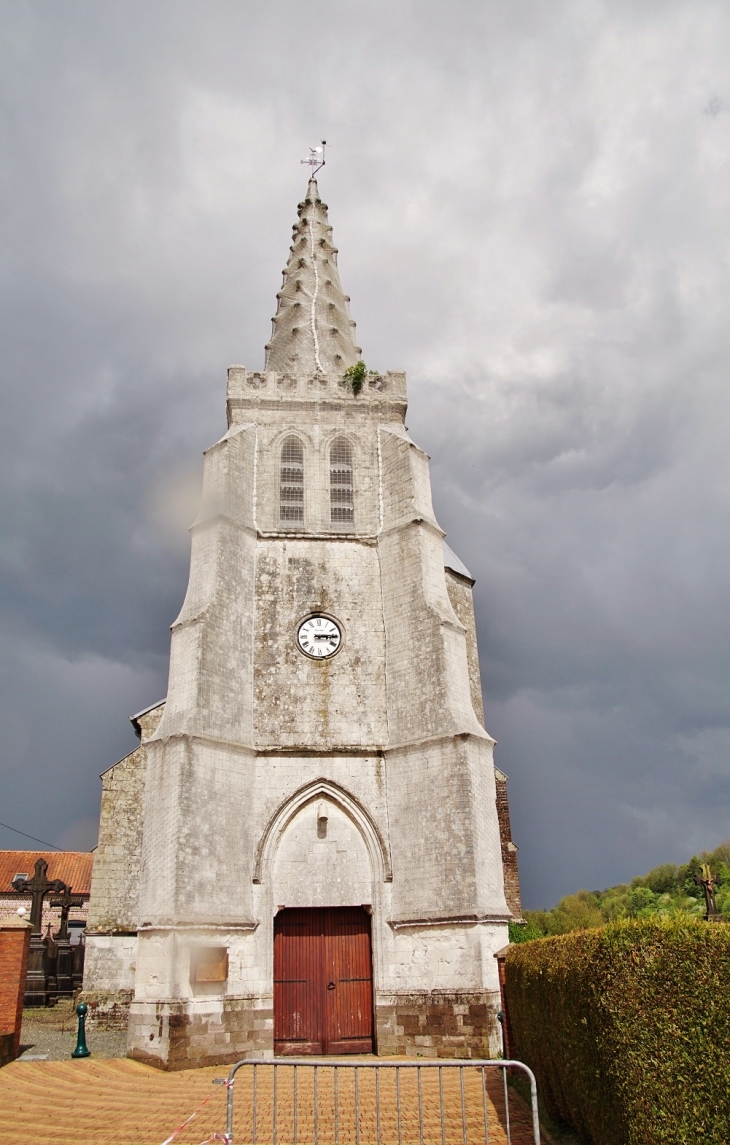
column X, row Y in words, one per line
column 348, row 967
column 297, row 1033
column 323, row 996
column 297, row 973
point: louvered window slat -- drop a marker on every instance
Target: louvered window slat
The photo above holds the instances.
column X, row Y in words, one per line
column 291, row 481
column 341, row 483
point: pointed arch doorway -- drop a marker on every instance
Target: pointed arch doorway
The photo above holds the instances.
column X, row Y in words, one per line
column 323, row 981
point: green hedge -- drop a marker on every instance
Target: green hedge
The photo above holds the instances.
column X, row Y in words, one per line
column 627, row 1029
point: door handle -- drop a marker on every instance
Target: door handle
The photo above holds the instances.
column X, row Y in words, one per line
column 330, row 985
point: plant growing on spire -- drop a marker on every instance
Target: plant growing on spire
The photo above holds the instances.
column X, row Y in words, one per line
column 355, row 376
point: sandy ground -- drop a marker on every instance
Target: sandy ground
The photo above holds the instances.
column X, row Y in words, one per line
column 97, row 1100
column 121, row 1102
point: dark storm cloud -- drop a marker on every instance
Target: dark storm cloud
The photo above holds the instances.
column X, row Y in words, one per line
column 531, row 206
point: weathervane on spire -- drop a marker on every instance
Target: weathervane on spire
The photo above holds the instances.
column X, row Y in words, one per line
column 315, row 159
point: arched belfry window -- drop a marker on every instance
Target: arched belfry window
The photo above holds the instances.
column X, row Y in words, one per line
column 341, row 489
column 291, row 480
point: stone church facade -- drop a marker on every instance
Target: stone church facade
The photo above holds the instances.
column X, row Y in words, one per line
column 309, row 852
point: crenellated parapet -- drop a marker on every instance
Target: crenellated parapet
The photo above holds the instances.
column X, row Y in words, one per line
column 251, row 389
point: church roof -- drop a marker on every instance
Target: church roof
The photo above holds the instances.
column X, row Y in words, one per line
column 72, row 867
column 312, row 332
column 451, row 561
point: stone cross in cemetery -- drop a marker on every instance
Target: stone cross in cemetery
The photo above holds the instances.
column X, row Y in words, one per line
column 65, row 900
column 37, row 887
column 64, row 954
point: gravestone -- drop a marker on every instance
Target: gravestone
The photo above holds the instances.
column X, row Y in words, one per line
column 64, row 951
column 36, row 991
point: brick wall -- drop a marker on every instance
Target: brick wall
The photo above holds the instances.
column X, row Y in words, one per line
column 509, row 850
column 14, row 946
column 9, row 910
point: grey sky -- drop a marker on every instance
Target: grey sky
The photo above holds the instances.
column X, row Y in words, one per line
column 531, row 204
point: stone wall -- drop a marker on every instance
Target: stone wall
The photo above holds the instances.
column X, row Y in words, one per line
column 299, row 702
column 108, row 1010
column 109, row 963
column 324, row 841
column 339, row 421
column 439, row 1025
column 509, row 850
column 181, row 1035
column 462, row 602
column 111, row 933
column 446, row 838
column 114, row 903
column 460, row 595
column 115, row 878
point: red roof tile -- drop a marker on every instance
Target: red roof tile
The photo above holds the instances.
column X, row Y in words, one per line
column 73, row 867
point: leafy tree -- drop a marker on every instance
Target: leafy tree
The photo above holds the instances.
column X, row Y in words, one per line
column 524, row 932
column 666, row 890
column 659, row 880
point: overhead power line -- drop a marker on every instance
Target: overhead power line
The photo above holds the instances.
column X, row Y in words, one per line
column 27, row 836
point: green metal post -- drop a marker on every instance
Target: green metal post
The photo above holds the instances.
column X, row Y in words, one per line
column 82, row 1050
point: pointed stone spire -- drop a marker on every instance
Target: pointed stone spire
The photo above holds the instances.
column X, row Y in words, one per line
column 312, row 331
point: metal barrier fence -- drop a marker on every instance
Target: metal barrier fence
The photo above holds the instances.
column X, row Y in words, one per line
column 297, row 1101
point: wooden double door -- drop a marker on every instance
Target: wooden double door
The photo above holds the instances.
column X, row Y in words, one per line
column 323, row 981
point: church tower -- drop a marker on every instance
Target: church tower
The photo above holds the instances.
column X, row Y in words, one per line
column 305, row 853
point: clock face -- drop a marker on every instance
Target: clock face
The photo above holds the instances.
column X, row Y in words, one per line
column 319, row 637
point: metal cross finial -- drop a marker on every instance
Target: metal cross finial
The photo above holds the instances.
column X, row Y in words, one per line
column 315, row 159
